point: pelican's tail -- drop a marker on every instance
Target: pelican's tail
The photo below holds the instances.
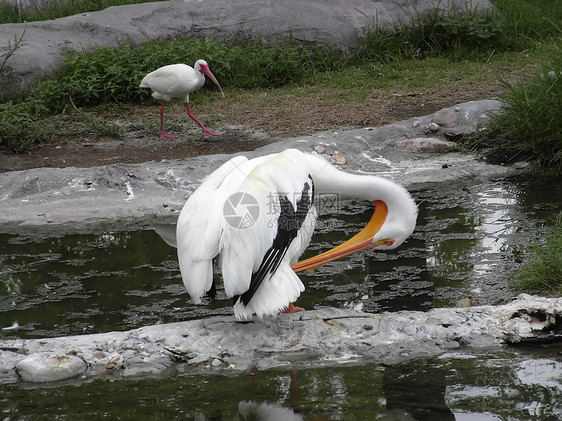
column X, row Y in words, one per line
column 274, row 295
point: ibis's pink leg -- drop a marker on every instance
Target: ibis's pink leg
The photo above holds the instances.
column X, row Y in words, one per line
column 162, row 134
column 205, row 131
column 292, row 309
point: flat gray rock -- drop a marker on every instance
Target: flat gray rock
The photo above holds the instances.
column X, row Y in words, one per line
column 319, row 337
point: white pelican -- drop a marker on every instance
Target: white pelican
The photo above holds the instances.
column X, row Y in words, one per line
column 178, row 81
column 257, row 217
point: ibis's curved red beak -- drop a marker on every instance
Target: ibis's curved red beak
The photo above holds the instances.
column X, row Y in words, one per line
column 207, row 71
column 361, row 241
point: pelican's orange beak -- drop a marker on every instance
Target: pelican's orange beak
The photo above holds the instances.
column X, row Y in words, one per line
column 361, row 241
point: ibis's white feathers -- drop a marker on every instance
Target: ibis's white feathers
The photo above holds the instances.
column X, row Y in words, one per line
column 173, row 81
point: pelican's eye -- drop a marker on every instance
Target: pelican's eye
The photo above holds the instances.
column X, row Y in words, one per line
column 388, row 242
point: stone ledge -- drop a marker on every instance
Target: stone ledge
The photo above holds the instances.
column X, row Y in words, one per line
column 326, row 336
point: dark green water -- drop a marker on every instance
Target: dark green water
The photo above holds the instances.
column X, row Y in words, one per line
column 515, row 385
column 468, row 238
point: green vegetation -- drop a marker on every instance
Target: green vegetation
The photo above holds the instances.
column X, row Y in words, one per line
column 460, row 40
column 451, row 33
column 531, row 127
column 542, row 272
column 107, row 75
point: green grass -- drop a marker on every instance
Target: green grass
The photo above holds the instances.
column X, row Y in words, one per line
column 454, row 33
column 528, row 21
column 411, row 75
column 108, row 75
column 542, row 271
column 531, row 126
column 22, row 126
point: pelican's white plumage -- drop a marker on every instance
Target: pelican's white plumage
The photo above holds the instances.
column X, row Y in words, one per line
column 256, row 258
column 178, row 81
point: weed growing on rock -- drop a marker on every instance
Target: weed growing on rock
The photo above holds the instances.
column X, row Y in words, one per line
column 542, row 272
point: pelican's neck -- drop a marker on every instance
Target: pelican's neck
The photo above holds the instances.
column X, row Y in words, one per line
column 393, row 221
column 328, row 179
column 401, row 209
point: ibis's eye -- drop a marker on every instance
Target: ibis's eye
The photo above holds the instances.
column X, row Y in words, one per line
column 388, row 242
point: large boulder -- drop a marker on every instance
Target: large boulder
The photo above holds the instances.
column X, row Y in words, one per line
column 334, row 23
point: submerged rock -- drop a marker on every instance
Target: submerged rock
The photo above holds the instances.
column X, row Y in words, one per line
column 49, row 367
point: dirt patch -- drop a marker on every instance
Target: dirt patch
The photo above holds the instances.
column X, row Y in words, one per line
column 132, row 149
column 244, row 124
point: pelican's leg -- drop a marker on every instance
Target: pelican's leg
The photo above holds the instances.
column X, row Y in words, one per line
column 205, row 131
column 162, row 134
column 292, row 309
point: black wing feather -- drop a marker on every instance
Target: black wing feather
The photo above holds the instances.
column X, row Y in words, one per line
column 289, row 223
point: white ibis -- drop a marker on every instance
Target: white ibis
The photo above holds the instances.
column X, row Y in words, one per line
column 257, row 217
column 178, row 81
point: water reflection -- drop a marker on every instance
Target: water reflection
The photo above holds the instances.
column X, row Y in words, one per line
column 418, row 391
column 514, row 385
column 268, row 412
